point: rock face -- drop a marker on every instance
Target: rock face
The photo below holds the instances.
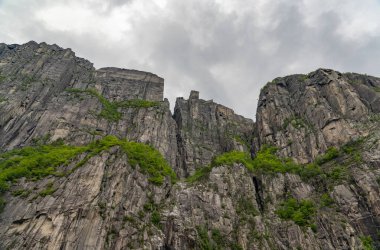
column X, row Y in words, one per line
column 305, row 114
column 48, row 96
column 36, row 101
column 206, row 129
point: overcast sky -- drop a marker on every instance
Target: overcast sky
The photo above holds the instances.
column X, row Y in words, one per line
column 226, row 49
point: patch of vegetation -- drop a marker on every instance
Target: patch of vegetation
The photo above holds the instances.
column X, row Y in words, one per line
column 3, row 99
column 330, row 154
column 374, row 118
column 34, row 162
column 137, row 103
column 102, row 208
column 231, row 158
column 129, row 219
column 245, row 206
column 326, row 200
column 314, row 228
column 296, row 123
column 377, row 89
column 337, row 173
column 309, row 171
column 43, row 140
column 141, row 214
column 23, row 193
column 149, row 160
column 352, row 148
column 301, row 212
column 199, row 174
column 217, row 237
column 26, row 81
column 276, row 80
column 154, row 209
column 239, row 139
column 213, row 239
column 266, row 161
column 367, row 242
column 49, row 190
column 304, row 77
column 156, row 218
column 42, row 160
column 110, row 109
column 205, row 242
column 111, row 234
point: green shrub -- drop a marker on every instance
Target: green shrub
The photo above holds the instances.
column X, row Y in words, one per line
column 129, row 219
column 367, row 242
column 49, row 190
column 296, row 123
column 337, row 173
column 156, row 218
column 301, row 212
column 217, row 240
column 229, row 158
column 352, row 149
column 267, row 161
column 326, row 200
column 217, row 237
column 303, row 77
column 314, row 228
column 21, row 192
column 199, row 174
column 204, row 241
column 309, row 171
column 330, row 154
column 149, row 160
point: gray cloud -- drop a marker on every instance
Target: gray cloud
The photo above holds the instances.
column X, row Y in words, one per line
column 227, row 50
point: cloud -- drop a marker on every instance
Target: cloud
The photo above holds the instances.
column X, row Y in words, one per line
column 226, row 49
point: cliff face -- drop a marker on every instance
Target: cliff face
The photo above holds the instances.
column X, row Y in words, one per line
column 305, row 114
column 86, row 178
column 206, row 129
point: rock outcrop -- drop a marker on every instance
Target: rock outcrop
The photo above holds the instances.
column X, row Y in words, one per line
column 37, row 101
column 115, row 192
column 207, row 129
column 305, row 114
